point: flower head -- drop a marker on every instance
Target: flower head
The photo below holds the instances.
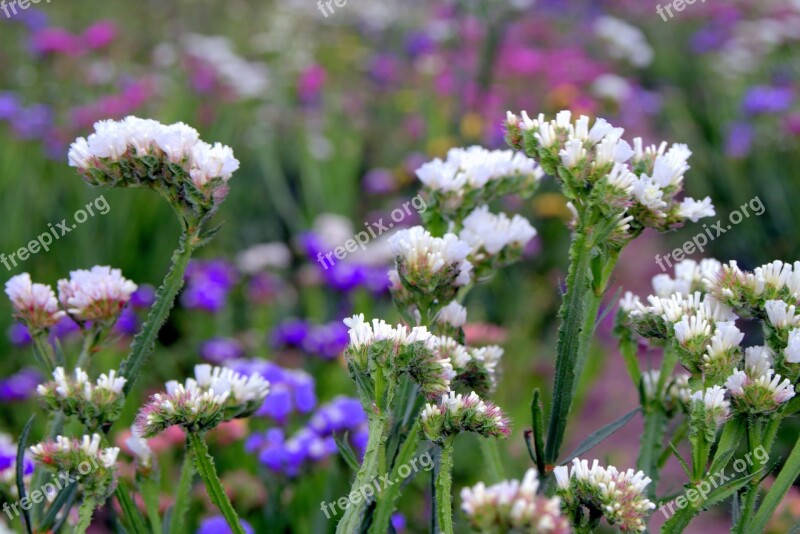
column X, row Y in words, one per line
column 715, row 409
column 759, row 393
column 619, row 496
column 513, row 506
column 98, row 294
column 495, row 237
column 456, row 413
column 34, row 304
column 94, row 404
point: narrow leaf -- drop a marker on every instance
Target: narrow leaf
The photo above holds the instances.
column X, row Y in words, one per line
column 681, row 460
column 732, row 434
column 347, row 451
column 129, row 510
column 782, row 484
column 23, row 443
column 600, row 435
column 65, row 499
column 537, row 420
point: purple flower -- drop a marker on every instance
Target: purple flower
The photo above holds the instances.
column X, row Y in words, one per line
column 128, row 322
column 739, row 141
column 18, row 335
column 144, row 297
column 56, row 41
column 263, row 288
column 218, row 525
column 208, row 285
column 327, row 341
column 99, row 35
column 290, row 334
column 221, row 349
column 418, row 43
column 380, row 181
column 9, row 106
column 398, row 522
column 33, row 122
column 8, row 458
column 19, row 387
column 339, row 415
column 64, row 329
column 291, row 390
column 762, row 99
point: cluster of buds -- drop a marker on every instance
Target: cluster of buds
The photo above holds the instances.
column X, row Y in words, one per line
column 451, row 319
column 216, row 394
column 432, row 267
column 690, row 276
column 140, row 449
column 475, row 368
column 474, row 176
column 456, row 413
column 82, row 461
column 98, row 294
column 750, row 291
column 94, row 404
column 709, row 411
column 171, row 159
column 758, row 389
column 618, row 496
column 604, row 176
column 675, row 393
column 34, row 304
column 496, row 240
column 378, row 347
column 513, row 506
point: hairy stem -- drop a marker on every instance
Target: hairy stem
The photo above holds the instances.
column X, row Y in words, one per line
column 444, row 488
column 181, row 505
column 205, row 466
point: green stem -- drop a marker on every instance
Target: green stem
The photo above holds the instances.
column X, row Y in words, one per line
column 444, row 487
column 85, row 516
column 43, row 352
column 86, row 349
column 655, row 423
column 150, row 492
column 578, row 314
column 181, row 505
column 354, row 514
column 783, row 483
column 144, row 343
column 494, row 464
column 754, row 439
column 205, row 466
column 387, row 500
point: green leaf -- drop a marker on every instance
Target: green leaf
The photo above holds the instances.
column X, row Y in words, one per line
column 204, row 464
column 129, row 510
column 537, row 422
column 65, row 499
column 177, row 512
column 783, row 482
column 683, row 463
column 346, row 451
column 652, row 442
column 23, row 444
column 732, row 434
column 600, row 435
column 85, row 513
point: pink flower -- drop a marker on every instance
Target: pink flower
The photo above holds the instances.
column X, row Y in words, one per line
column 56, row 41
column 99, row 35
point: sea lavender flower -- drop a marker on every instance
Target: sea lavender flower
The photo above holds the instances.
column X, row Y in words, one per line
column 20, row 386
column 18, row 335
column 218, row 525
column 140, row 448
column 758, row 393
column 99, row 294
column 456, row 413
column 208, row 284
column 73, row 456
column 290, row 456
column 453, row 315
column 8, row 460
column 618, row 496
column 327, row 341
column 495, row 240
column 713, row 406
column 34, row 304
column 291, row 390
column 145, row 153
column 216, row 394
column 339, row 415
column 792, row 353
column 94, row 404
column 219, row 350
column 763, row 99
column 513, row 506
column 432, row 266
column 624, row 41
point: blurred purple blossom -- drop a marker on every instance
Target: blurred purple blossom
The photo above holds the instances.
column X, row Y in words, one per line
column 221, row 349
column 291, row 390
column 218, row 525
column 21, row 386
column 763, row 99
column 208, row 285
column 18, row 335
column 739, row 140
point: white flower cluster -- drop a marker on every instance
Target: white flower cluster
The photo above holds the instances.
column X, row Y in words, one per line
column 247, row 79
column 454, row 315
column 34, row 304
column 625, row 41
column 363, row 334
column 641, row 183
column 690, row 276
column 773, row 281
column 140, row 448
column 132, row 137
column 216, row 394
column 513, row 506
column 474, row 168
column 717, row 409
column 758, row 389
column 88, row 445
column 474, row 367
column 676, row 391
column 95, row 404
column 618, row 495
column 425, row 261
column 456, row 413
column 98, row 294
column 792, row 353
column 488, row 234
column 80, row 385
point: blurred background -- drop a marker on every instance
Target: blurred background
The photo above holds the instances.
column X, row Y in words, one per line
column 330, row 114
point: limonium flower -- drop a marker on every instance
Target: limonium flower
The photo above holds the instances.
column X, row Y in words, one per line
column 94, row 404
column 473, row 176
column 716, row 409
column 453, row 315
column 624, row 41
column 433, row 266
column 98, row 294
column 34, row 304
column 751, row 291
column 792, row 353
column 689, row 277
column 758, row 393
column 513, row 506
column 475, row 368
column 495, row 237
column 398, row 350
column 139, row 448
column 618, row 495
column 456, row 413
column 84, row 459
column 630, row 186
column 216, row 394
column 676, row 392
column 138, row 152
